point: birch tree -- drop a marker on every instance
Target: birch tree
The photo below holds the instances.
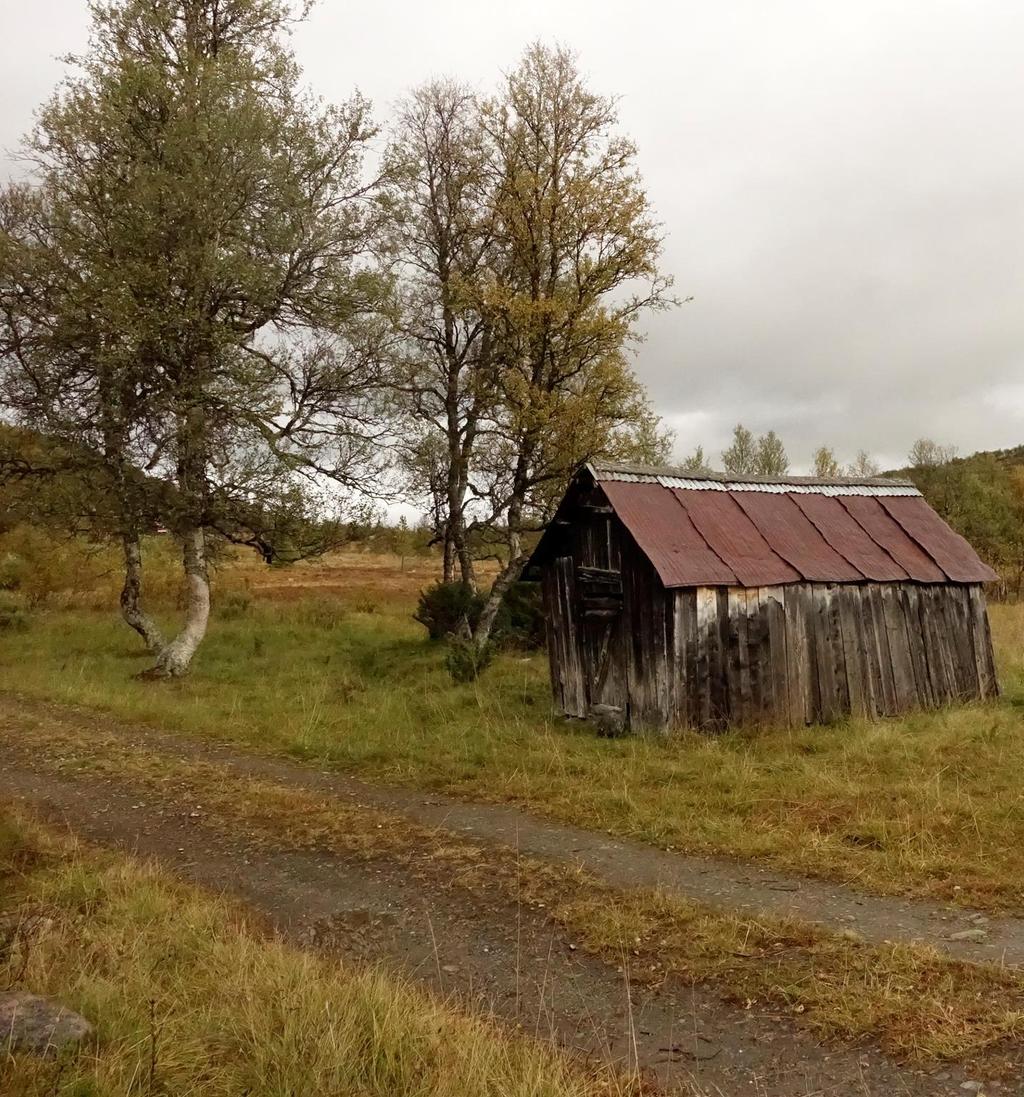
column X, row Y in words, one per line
column 740, row 459
column 444, row 231
column 826, row 467
column 209, row 224
column 64, row 376
column 771, row 459
column 863, row 466
column 575, row 266
column 696, row 463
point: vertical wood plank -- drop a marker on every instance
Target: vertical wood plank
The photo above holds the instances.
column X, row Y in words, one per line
column 723, row 679
column 798, row 656
column 890, row 706
column 910, row 601
column 707, row 665
column 903, row 678
column 860, row 694
column 773, row 608
column 939, row 669
column 755, row 642
column 740, row 703
column 574, row 693
column 835, row 636
column 824, row 661
column 982, row 642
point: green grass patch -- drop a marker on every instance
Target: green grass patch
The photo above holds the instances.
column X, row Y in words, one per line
column 930, row 805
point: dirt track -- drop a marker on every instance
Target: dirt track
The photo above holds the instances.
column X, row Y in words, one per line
column 504, row 959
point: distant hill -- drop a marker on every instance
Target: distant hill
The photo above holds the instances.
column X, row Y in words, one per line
column 1007, row 458
column 981, row 495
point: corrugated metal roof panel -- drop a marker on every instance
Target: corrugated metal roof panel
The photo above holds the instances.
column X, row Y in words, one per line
column 785, row 487
column 842, row 531
column 735, row 539
column 717, row 532
column 789, row 532
column 946, row 547
column 680, row 478
column 667, row 536
column 884, row 530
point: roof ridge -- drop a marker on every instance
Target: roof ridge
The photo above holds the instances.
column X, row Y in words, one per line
column 655, row 471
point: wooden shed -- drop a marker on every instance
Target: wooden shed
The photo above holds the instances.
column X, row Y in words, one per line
column 705, row 602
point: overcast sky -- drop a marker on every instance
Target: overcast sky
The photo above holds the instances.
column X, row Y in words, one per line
column 841, row 184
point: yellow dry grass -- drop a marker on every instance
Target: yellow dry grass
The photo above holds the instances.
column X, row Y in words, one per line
column 188, row 998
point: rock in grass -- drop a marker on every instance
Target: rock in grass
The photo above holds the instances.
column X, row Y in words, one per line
column 975, row 935
column 39, row 1026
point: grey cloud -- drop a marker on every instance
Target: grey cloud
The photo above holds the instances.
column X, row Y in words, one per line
column 842, row 186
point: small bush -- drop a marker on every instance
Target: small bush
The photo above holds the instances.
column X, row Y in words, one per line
column 520, row 621
column 14, row 615
column 444, row 606
column 465, row 661
column 366, row 605
column 12, row 570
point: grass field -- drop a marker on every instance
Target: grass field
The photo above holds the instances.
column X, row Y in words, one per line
column 323, row 662
column 188, row 998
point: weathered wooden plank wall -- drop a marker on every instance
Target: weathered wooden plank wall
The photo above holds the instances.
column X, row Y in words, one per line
column 810, row 653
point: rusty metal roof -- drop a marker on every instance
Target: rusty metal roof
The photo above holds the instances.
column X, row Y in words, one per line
column 712, row 531
column 668, row 535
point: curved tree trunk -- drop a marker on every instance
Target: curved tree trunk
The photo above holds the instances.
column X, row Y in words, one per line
column 131, row 597
column 507, row 578
column 174, row 659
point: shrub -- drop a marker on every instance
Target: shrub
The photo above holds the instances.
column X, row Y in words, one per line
column 13, row 613
column 443, row 607
column 44, row 566
column 12, row 569
column 520, row 621
column 465, row 661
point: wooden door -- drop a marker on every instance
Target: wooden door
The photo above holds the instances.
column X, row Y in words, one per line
column 599, row 600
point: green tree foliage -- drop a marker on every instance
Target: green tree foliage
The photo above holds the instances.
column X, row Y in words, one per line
column 771, row 457
column 186, row 284
column 571, row 263
column 740, row 459
column 696, row 463
column 751, row 456
column 826, row 467
column 442, row 192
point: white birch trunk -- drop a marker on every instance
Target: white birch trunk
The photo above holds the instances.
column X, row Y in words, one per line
column 506, row 579
column 131, row 597
column 175, row 658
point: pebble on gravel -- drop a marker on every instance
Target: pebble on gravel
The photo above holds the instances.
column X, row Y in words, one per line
column 976, row 935
column 39, row 1026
